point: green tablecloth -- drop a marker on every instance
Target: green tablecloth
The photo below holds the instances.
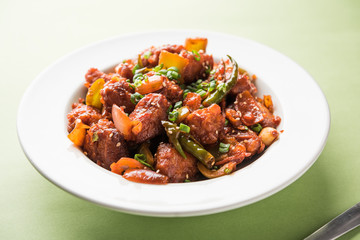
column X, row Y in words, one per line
column 322, row 36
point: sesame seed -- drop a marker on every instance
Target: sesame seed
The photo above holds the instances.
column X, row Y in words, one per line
column 237, row 119
column 217, row 132
column 85, row 153
column 164, row 85
column 157, row 171
column 152, row 103
column 187, row 176
column 111, row 134
column 170, row 132
column 158, row 105
column 118, row 144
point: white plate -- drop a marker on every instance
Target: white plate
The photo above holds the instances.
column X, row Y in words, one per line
column 298, row 100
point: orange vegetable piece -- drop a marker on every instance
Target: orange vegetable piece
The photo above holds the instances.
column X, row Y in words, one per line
column 77, row 135
column 122, row 122
column 125, row 163
column 196, row 44
column 137, row 127
column 150, row 85
column 145, row 176
column 173, row 60
column 93, row 95
column 268, row 103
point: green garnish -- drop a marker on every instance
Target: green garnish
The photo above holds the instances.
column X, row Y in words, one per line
column 196, row 55
column 135, row 68
column 158, row 67
column 191, row 88
column 173, row 115
column 95, row 137
column 221, row 87
column 173, row 69
column 212, row 86
column 169, row 109
column 136, row 97
column 163, row 71
column 187, row 180
column 142, row 159
column 184, row 128
column 227, row 171
column 147, row 54
column 256, row 128
column 178, row 104
column 172, row 75
column 224, row 147
column 208, row 70
column 137, row 83
column 226, row 122
column 201, row 92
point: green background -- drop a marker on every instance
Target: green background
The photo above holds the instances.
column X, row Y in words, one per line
column 322, row 36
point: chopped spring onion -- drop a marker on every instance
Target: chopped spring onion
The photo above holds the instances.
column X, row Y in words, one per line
column 174, row 69
column 147, row 54
column 137, row 82
column 187, row 180
column 142, row 159
column 224, row 147
column 169, row 109
column 172, row 75
column 178, row 104
column 95, row 137
column 135, row 98
column 221, row 87
column 173, row 115
column 208, row 70
column 196, row 55
column 256, row 128
column 201, row 92
column 163, row 71
column 135, row 68
column 226, row 122
column 184, row 128
column 158, row 67
column 192, row 89
column 227, row 171
column 212, row 86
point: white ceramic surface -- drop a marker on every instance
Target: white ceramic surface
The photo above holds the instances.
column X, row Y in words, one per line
column 298, row 101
